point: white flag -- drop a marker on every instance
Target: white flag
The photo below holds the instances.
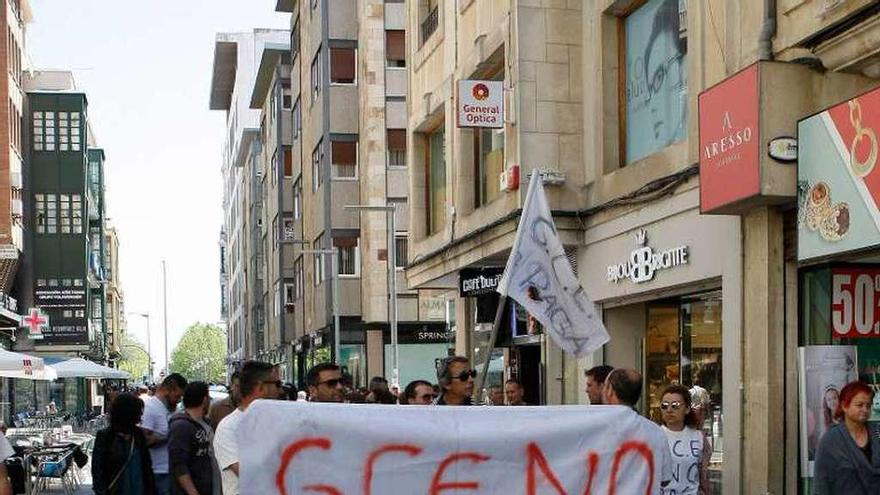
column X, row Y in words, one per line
column 539, row 277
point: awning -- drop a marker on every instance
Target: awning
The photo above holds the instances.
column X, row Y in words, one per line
column 16, row 365
column 83, row 368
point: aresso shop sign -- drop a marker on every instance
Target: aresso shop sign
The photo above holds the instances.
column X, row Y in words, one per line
column 644, row 262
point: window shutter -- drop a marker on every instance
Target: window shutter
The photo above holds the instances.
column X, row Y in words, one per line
column 342, row 65
column 345, row 242
column 397, row 139
column 395, row 45
column 344, row 153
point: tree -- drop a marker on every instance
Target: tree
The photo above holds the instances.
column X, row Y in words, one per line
column 134, row 357
column 201, row 353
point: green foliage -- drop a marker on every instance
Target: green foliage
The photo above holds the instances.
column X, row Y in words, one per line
column 134, row 357
column 201, row 354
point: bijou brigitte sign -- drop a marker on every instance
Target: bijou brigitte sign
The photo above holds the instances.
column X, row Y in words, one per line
column 480, row 104
column 644, row 262
column 729, row 141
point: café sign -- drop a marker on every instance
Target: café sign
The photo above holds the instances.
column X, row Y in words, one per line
column 478, row 281
column 644, row 262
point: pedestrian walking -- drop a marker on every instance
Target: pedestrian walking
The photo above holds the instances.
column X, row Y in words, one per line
column 257, row 380
column 121, row 463
column 688, row 447
column 189, row 444
column 418, row 393
column 513, row 391
column 848, row 458
column 495, row 396
column 623, row 387
column 157, row 411
column 6, row 452
column 596, row 383
column 325, row 383
column 225, row 406
column 456, row 379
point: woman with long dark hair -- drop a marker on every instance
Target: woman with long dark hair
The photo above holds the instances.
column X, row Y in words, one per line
column 689, row 448
column 121, row 463
column 848, row 458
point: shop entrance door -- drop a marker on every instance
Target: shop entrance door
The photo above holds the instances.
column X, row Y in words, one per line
column 529, row 370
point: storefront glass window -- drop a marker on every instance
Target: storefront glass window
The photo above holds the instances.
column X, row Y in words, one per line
column 417, row 361
column 353, row 359
column 489, row 147
column 683, row 345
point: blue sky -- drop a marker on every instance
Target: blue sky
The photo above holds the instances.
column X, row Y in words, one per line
column 146, row 67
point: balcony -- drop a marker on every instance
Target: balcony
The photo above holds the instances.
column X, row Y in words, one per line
column 429, row 25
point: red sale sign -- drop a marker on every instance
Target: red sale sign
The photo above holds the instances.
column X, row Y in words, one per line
column 855, row 302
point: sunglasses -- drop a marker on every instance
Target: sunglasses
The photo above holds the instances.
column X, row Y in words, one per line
column 674, row 405
column 332, row 383
column 464, row 375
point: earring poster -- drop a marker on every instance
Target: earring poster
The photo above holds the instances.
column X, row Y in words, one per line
column 838, row 178
column 823, row 372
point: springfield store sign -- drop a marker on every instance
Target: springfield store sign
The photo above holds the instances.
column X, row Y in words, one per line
column 644, row 262
column 480, row 104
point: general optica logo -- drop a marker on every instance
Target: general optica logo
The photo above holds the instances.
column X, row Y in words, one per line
column 480, row 92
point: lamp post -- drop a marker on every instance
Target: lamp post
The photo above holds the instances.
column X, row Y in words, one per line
column 149, row 351
column 333, row 252
column 390, row 212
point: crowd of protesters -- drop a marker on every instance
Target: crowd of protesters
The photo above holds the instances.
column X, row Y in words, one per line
column 153, row 446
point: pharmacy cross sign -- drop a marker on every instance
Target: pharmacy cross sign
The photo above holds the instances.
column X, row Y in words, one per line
column 36, row 322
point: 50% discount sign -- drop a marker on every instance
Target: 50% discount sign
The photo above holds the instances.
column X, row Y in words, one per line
column 855, row 302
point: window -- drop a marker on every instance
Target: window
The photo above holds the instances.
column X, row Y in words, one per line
column 314, row 6
column 274, row 168
column 288, row 162
column 348, row 260
column 656, row 79
column 276, row 234
column 286, row 95
column 44, row 131
column 401, row 245
column 69, row 131
column 316, row 76
column 298, row 278
column 46, row 213
column 395, row 48
column 294, row 40
column 276, row 304
column 343, row 65
column 297, row 199
column 343, row 156
column 436, row 178
column 317, row 165
column 297, row 119
column 320, row 272
column 396, row 142
column 288, row 230
column 430, row 20
column 289, row 297
column 489, row 161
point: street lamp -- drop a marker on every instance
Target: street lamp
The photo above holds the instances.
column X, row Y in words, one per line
column 333, row 252
column 149, row 352
column 390, row 212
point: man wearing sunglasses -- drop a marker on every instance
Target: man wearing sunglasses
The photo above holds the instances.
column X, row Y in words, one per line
column 325, row 383
column 418, row 393
column 456, row 380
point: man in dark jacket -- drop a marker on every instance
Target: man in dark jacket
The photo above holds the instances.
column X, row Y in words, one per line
column 189, row 444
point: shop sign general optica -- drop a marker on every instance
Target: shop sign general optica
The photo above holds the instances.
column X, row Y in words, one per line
column 480, row 104
column 838, row 180
column 729, row 141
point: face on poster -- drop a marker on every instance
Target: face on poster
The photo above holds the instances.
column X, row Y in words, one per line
column 656, row 78
column 825, row 369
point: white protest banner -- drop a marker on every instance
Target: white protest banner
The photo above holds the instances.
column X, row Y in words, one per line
column 539, row 277
column 290, row 448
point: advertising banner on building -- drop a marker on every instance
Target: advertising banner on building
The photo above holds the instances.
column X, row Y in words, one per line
column 474, row 282
column 60, row 297
column 855, row 294
column 823, row 371
column 480, row 104
column 838, row 181
column 302, row 447
column 729, row 141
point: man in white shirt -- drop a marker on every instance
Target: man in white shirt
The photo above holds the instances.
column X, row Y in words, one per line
column 157, row 410
column 257, row 380
column 624, row 387
column 5, row 453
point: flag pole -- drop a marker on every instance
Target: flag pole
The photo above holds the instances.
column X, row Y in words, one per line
column 493, row 337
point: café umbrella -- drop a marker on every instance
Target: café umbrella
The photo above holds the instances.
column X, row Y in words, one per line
column 17, row 365
column 83, row 368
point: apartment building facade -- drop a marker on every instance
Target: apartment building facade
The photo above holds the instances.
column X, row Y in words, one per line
column 115, row 300
column 348, row 92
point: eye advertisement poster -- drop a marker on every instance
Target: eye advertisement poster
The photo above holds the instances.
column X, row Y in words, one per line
column 823, row 371
column 656, row 77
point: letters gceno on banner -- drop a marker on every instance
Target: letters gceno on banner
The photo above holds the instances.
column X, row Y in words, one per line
column 290, row 448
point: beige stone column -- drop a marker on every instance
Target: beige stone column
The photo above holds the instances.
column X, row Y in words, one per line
column 763, row 352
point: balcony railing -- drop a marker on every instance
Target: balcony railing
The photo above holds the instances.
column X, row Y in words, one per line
column 429, row 25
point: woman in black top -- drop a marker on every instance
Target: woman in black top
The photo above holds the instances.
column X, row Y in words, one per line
column 121, row 463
